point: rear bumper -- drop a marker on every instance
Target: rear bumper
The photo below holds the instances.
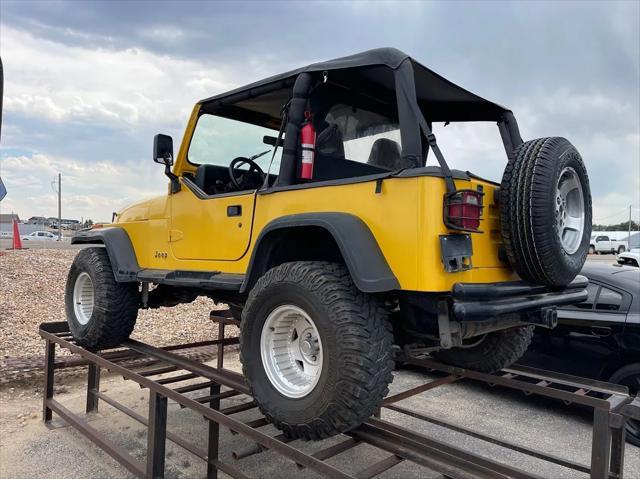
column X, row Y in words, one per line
column 474, row 302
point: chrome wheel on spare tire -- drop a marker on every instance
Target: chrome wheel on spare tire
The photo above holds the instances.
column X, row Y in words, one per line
column 291, row 351
column 316, row 352
column 545, row 208
column 569, row 210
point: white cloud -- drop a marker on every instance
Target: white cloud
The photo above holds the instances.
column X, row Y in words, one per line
column 88, row 190
column 129, row 91
column 49, row 80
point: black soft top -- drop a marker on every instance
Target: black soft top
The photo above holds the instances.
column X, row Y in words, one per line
column 373, row 73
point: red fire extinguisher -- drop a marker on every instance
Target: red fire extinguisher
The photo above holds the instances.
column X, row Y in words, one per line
column 308, row 144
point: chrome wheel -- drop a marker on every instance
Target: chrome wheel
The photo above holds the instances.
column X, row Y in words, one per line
column 570, row 211
column 291, row 351
column 83, row 298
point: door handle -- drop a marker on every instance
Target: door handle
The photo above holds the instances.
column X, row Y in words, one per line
column 234, row 210
column 601, row 331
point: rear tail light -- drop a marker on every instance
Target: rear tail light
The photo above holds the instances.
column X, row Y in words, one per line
column 463, row 210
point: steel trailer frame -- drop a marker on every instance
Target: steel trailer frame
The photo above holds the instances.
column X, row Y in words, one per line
column 612, row 407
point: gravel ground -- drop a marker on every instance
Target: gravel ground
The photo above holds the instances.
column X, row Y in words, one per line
column 32, row 291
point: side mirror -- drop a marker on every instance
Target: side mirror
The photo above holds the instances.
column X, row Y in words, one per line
column 163, row 149
column 163, row 154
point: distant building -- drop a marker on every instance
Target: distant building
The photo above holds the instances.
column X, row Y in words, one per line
column 9, row 217
column 37, row 220
column 6, row 225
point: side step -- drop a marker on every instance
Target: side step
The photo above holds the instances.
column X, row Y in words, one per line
column 194, row 279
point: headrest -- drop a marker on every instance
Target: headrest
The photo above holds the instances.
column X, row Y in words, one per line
column 385, row 153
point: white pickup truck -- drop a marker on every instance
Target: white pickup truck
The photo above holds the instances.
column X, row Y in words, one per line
column 605, row 242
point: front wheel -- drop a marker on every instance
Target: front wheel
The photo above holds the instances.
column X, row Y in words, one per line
column 316, row 352
column 491, row 353
column 100, row 311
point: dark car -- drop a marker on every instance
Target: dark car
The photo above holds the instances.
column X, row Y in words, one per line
column 600, row 337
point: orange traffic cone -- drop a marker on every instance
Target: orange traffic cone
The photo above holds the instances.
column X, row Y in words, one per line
column 17, row 241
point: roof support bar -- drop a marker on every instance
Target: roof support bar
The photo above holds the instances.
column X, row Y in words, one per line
column 289, row 163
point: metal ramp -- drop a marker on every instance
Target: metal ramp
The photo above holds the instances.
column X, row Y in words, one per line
column 611, row 406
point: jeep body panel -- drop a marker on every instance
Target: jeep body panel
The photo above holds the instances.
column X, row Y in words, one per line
column 405, row 218
column 201, row 229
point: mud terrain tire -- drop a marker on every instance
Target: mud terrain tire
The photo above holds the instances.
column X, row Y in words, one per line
column 114, row 306
column 496, row 351
column 531, row 211
column 355, row 340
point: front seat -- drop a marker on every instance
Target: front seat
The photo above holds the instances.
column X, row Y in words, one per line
column 385, row 153
column 205, row 178
column 329, row 141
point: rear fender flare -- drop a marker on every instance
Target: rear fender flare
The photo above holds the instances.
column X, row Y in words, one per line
column 359, row 249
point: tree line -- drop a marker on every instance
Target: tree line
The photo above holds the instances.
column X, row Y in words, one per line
column 624, row 226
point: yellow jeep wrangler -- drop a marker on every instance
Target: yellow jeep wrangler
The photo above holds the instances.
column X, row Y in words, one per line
column 335, row 245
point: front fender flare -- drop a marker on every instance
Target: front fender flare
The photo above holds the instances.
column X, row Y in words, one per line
column 119, row 248
column 362, row 255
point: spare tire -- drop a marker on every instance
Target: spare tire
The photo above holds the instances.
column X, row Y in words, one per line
column 545, row 209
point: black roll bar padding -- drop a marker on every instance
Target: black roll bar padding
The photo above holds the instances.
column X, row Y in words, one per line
column 405, row 87
column 409, row 127
column 510, row 133
column 289, row 162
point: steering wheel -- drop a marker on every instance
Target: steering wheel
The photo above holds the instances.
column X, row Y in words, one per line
column 253, row 167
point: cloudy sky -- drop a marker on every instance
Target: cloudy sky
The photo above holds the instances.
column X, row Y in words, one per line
column 88, row 84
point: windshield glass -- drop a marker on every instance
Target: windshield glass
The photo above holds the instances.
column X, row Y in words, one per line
column 217, row 141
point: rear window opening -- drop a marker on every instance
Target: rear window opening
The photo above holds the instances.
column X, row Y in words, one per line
column 471, row 146
column 360, row 135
